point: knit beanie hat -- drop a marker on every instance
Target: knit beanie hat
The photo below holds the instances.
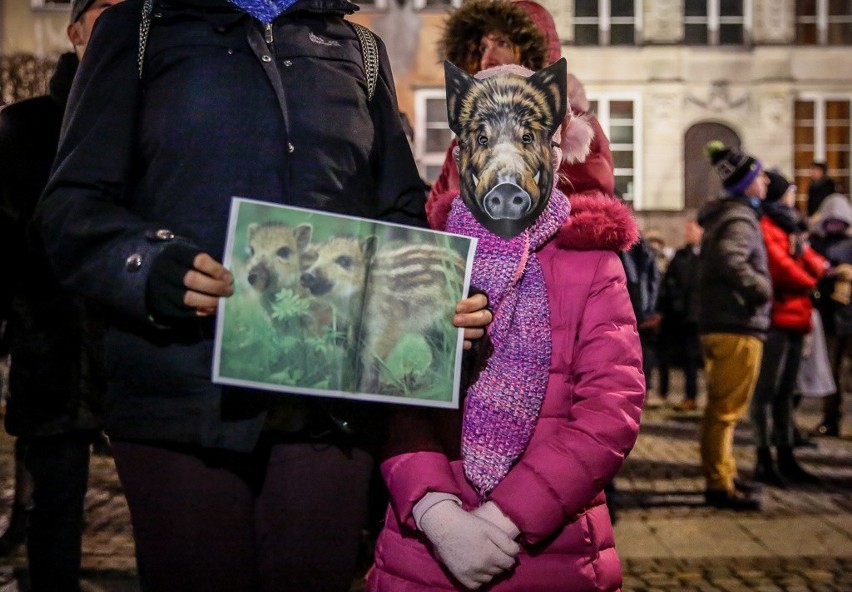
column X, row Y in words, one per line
column 736, row 168
column 777, row 187
column 78, row 7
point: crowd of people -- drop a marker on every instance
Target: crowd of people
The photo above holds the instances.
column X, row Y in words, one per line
column 757, row 297
column 119, row 183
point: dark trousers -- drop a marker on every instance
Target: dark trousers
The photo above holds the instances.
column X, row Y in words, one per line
column 59, row 466
column 773, row 395
column 691, row 366
column 288, row 516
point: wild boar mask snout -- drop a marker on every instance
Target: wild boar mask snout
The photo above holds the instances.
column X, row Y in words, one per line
column 507, row 200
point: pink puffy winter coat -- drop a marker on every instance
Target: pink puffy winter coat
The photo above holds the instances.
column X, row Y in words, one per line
column 588, row 423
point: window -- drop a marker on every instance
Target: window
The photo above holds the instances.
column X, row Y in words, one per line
column 618, row 114
column 824, row 22
column 822, row 132
column 606, row 22
column 432, row 135
column 714, row 22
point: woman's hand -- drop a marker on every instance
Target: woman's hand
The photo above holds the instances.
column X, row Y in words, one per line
column 473, row 316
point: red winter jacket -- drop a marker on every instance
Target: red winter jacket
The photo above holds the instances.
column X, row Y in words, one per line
column 793, row 278
column 588, row 423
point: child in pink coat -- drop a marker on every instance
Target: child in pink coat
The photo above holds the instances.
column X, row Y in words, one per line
column 508, row 494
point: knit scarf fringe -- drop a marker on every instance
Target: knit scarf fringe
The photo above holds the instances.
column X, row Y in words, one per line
column 502, row 406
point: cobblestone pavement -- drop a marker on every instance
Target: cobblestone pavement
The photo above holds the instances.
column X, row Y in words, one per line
column 668, row 540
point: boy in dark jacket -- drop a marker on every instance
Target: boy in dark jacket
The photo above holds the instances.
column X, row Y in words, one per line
column 733, row 310
column 678, row 304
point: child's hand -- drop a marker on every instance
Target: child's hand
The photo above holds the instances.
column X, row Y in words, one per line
column 492, row 513
column 473, row 549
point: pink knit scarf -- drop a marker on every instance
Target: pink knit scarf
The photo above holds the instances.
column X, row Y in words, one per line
column 502, row 406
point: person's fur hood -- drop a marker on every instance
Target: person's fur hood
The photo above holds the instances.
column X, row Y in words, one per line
column 465, row 27
column 597, row 222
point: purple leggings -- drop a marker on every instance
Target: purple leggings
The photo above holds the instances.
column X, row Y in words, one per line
column 285, row 517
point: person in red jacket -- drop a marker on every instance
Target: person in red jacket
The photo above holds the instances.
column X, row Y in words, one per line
column 486, row 33
column 795, row 269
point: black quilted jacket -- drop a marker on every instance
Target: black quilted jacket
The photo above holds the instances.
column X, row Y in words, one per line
column 225, row 108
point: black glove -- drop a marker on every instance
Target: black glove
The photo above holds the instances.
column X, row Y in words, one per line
column 166, row 290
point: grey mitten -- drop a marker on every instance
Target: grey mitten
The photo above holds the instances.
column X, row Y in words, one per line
column 473, row 549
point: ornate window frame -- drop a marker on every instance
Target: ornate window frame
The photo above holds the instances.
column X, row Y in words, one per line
column 628, row 179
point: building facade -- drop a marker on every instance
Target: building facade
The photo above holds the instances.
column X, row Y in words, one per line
column 664, row 77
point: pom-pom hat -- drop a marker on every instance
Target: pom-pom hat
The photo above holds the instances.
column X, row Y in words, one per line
column 736, row 168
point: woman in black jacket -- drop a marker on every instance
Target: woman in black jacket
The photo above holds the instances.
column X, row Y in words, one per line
column 206, row 100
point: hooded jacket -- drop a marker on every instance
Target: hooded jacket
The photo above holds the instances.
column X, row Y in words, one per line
column 836, row 248
column 55, row 382
column 734, row 287
column 224, row 107
column 544, row 21
column 588, row 423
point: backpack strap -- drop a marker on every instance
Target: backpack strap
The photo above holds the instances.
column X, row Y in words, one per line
column 370, row 55
column 144, row 27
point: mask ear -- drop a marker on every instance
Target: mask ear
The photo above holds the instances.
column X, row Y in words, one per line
column 458, row 84
column 553, row 84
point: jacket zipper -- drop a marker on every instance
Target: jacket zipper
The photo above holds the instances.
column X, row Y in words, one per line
column 270, row 39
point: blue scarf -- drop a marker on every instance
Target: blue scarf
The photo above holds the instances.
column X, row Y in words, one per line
column 265, row 11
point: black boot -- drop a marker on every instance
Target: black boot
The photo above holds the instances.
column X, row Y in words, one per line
column 731, row 500
column 791, row 470
column 800, row 440
column 764, row 469
column 16, row 532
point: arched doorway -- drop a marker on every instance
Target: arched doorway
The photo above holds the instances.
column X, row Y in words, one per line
column 700, row 180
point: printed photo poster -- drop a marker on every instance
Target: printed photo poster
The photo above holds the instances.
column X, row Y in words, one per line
column 339, row 306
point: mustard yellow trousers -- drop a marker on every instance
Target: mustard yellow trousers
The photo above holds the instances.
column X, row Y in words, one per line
column 731, row 366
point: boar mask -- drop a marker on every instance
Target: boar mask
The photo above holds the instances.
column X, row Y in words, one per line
column 505, row 126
